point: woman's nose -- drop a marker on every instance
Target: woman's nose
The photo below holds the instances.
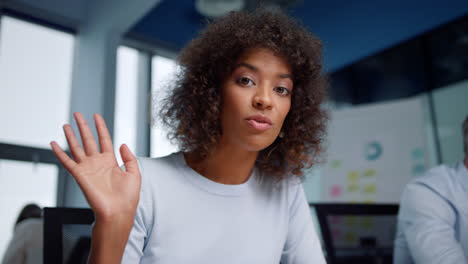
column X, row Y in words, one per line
column 262, row 99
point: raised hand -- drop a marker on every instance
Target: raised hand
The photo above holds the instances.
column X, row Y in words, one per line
column 109, row 190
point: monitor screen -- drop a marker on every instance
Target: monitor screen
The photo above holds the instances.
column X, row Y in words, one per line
column 76, row 244
column 362, row 235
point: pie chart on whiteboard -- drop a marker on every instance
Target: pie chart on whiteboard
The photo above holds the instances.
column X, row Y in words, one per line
column 373, row 151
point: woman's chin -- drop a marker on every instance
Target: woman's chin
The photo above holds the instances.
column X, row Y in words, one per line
column 258, row 144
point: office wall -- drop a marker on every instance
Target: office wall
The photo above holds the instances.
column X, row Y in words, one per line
column 451, row 108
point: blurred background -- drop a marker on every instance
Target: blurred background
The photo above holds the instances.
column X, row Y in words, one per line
column 398, row 70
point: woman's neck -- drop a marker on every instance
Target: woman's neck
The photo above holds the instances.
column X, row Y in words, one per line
column 224, row 165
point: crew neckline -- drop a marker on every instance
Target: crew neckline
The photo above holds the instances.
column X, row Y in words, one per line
column 209, row 185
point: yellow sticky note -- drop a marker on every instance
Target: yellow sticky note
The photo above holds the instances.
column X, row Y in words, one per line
column 369, row 173
column 352, row 187
column 353, row 176
column 369, row 188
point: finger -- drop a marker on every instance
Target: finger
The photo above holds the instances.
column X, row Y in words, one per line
column 129, row 160
column 105, row 140
column 87, row 138
column 75, row 148
column 66, row 161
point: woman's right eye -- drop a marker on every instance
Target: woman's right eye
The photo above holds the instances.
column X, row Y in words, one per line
column 245, row 81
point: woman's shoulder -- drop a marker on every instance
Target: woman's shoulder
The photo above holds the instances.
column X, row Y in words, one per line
column 168, row 162
column 28, row 226
column 157, row 175
column 152, row 169
column 287, row 187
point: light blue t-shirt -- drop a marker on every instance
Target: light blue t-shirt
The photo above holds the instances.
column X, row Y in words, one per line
column 183, row 217
column 433, row 218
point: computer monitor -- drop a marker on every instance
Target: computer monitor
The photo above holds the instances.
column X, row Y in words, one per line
column 358, row 233
column 67, row 235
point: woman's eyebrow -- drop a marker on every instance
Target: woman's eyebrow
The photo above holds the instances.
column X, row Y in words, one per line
column 255, row 69
column 285, row 76
column 248, row 66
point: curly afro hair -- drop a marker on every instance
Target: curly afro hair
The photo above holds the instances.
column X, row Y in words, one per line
column 193, row 110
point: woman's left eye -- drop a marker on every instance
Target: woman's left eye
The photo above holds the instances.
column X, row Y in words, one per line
column 282, row 90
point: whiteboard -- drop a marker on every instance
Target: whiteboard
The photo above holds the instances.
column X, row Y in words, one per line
column 373, row 151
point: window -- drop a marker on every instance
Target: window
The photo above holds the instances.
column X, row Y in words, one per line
column 125, row 126
column 35, row 78
column 163, row 74
column 23, row 183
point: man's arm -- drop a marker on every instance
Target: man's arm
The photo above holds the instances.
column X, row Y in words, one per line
column 427, row 219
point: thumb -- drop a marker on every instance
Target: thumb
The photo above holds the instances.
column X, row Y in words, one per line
column 129, row 160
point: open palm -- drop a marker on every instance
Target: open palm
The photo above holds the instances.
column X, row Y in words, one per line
column 108, row 189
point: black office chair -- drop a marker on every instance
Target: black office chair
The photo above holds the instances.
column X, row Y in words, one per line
column 67, row 235
column 357, row 233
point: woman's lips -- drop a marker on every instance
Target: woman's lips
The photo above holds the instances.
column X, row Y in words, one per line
column 258, row 125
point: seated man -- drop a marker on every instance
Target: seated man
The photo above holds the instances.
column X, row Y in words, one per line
column 433, row 216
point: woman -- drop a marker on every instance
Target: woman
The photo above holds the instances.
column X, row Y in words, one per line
column 26, row 244
column 246, row 113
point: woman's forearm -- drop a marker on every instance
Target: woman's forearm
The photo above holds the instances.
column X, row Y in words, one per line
column 109, row 238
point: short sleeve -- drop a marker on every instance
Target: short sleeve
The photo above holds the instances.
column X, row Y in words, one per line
column 302, row 244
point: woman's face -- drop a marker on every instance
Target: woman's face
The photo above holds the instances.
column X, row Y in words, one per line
column 256, row 100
